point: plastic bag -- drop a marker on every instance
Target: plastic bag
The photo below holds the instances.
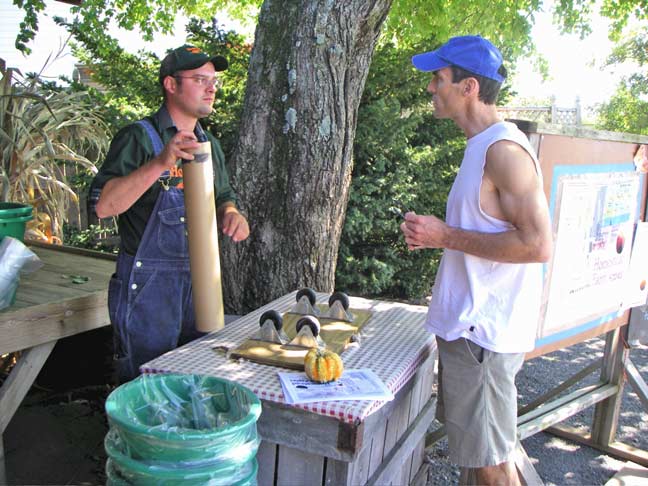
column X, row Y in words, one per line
column 170, row 429
column 15, row 258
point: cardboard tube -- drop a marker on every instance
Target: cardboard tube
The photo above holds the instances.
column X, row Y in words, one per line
column 204, row 258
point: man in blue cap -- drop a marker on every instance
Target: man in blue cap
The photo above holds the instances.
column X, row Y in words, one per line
column 485, row 302
column 150, row 299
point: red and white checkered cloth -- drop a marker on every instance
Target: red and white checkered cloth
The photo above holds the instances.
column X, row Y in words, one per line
column 393, row 344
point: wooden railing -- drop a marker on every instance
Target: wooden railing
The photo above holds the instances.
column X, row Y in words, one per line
column 546, row 114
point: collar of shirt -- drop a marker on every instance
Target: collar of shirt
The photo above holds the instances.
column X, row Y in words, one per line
column 165, row 123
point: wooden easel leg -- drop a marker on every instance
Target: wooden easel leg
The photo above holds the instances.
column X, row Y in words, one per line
column 606, row 413
column 636, row 381
column 467, row 477
column 528, row 475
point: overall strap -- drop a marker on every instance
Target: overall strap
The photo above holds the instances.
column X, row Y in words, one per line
column 156, row 140
column 158, row 146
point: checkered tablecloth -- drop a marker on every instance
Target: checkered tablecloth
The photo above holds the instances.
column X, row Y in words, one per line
column 393, row 344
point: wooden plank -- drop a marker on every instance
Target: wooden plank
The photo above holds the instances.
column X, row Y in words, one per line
column 467, row 476
column 20, row 381
column 298, row 467
column 412, row 464
column 40, row 248
column 28, row 327
column 266, row 457
column 427, row 385
column 49, row 292
column 606, row 413
column 562, row 387
column 377, row 420
column 96, row 280
column 336, row 472
column 579, row 338
column 434, row 437
column 396, row 427
column 377, row 448
column 407, row 442
column 569, row 408
column 615, row 449
column 528, row 475
column 397, row 423
column 630, row 475
column 636, row 381
column 421, row 476
column 66, row 264
column 359, row 469
column 559, row 402
column 299, row 429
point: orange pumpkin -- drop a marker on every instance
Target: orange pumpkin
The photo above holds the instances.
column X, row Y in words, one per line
column 322, row 365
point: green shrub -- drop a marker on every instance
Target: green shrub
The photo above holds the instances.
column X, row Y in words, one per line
column 404, row 158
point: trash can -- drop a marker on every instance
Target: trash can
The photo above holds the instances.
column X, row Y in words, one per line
column 182, row 429
column 13, row 218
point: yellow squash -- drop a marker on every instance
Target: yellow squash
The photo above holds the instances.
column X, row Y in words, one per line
column 322, row 365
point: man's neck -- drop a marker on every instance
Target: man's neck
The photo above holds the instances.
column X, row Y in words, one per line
column 180, row 119
column 478, row 119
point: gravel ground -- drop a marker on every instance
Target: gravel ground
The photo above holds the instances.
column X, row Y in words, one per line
column 559, row 461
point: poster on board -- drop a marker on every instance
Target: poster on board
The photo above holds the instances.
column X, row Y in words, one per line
column 593, row 239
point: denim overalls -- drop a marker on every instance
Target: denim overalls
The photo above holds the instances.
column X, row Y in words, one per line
column 150, row 296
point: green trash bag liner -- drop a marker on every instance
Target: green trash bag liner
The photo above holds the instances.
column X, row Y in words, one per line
column 123, row 469
column 115, row 477
column 185, row 419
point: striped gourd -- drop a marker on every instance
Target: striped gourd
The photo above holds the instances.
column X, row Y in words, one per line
column 322, row 365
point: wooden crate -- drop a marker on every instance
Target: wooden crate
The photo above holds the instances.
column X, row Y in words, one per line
column 302, row 448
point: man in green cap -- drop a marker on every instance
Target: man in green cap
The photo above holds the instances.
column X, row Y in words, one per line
column 150, row 295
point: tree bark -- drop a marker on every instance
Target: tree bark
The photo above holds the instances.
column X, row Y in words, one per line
column 293, row 160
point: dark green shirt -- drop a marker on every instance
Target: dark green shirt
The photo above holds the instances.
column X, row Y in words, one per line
column 130, row 149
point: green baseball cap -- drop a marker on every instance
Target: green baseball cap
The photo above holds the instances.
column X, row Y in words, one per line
column 188, row 57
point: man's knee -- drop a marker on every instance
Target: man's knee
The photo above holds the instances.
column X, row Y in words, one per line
column 504, row 474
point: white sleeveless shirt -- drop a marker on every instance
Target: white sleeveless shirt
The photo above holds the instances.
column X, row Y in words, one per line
column 493, row 304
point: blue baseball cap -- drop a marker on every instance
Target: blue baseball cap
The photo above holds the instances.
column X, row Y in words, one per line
column 470, row 52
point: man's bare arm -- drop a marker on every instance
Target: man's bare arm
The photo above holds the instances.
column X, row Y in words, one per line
column 120, row 193
column 522, row 203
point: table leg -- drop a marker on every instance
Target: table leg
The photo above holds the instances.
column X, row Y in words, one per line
column 3, row 472
column 16, row 387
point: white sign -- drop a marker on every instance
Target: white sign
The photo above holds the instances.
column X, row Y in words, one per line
column 592, row 248
column 361, row 384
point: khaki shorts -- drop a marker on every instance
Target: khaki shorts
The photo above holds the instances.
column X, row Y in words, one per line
column 477, row 402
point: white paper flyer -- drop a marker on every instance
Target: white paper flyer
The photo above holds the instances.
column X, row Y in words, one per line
column 361, row 384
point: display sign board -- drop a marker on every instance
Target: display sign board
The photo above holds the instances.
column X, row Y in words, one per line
column 597, row 197
column 595, row 209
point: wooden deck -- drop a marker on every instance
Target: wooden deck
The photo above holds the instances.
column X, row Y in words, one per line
column 49, row 306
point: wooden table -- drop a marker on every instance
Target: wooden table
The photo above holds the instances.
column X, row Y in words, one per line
column 339, row 442
column 49, row 306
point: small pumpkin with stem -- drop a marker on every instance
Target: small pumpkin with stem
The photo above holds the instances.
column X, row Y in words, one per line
column 323, row 365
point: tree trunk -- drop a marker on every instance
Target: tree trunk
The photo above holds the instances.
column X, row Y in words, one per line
column 293, row 160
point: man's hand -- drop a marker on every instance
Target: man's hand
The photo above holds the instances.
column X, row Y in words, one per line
column 424, row 231
column 181, row 146
column 233, row 223
column 120, row 193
